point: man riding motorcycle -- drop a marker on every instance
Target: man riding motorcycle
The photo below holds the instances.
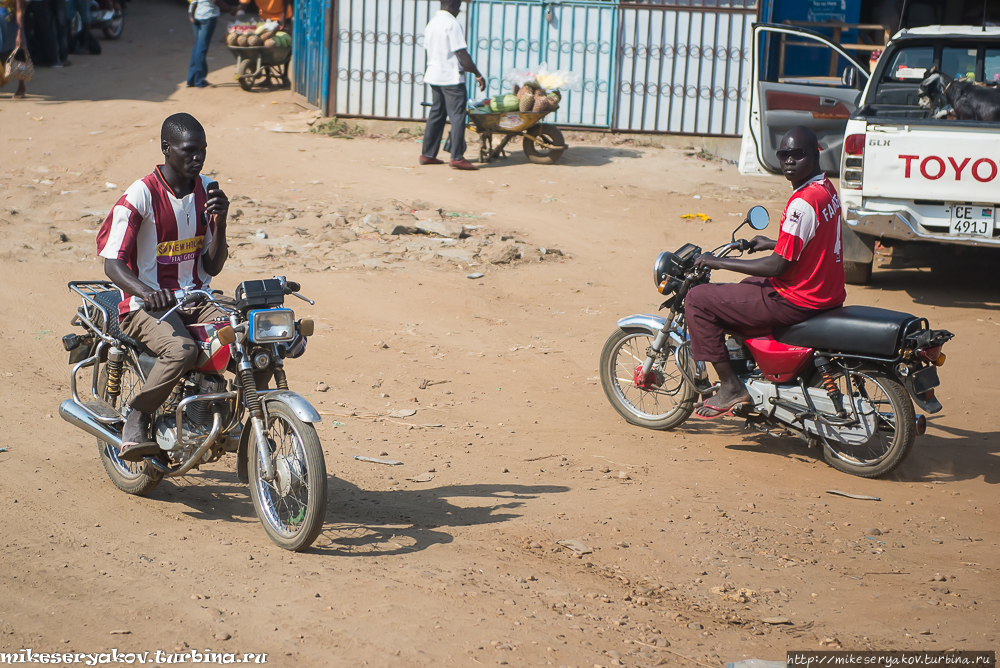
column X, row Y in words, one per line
column 166, row 233
column 802, row 278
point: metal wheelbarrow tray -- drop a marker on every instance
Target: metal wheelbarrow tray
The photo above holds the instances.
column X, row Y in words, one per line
column 542, row 143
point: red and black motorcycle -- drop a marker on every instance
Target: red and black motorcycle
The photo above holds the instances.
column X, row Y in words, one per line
column 842, row 380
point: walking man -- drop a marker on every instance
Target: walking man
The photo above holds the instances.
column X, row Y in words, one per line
column 447, row 58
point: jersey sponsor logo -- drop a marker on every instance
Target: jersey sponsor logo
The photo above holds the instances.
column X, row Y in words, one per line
column 182, row 250
column 934, row 167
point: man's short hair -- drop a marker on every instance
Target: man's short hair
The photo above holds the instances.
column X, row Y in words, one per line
column 447, row 5
column 179, row 125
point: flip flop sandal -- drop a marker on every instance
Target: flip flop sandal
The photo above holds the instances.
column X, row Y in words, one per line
column 718, row 411
column 136, row 452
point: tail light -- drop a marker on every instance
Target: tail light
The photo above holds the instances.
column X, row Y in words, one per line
column 930, row 354
column 852, row 174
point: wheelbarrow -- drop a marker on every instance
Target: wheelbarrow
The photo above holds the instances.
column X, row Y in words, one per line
column 542, row 143
column 257, row 63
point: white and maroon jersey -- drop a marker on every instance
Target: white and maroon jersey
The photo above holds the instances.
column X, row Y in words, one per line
column 159, row 236
column 810, row 239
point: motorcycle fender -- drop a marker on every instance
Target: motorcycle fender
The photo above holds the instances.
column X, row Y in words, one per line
column 918, row 383
column 302, row 408
column 653, row 324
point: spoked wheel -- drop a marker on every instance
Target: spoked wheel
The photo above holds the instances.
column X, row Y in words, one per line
column 292, row 507
column 888, row 426
column 662, row 400
column 245, row 75
column 138, row 478
column 541, row 155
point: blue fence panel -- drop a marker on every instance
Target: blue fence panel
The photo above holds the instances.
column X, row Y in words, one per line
column 578, row 36
column 681, row 71
column 311, row 51
column 381, row 59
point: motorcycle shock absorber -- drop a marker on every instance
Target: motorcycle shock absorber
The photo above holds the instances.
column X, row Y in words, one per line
column 250, row 392
column 116, row 359
column 280, row 380
column 825, row 368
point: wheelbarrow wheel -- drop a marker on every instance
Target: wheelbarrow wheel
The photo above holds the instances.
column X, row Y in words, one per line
column 540, row 155
column 245, row 74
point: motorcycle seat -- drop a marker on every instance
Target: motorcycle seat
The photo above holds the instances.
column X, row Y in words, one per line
column 862, row 330
column 110, row 299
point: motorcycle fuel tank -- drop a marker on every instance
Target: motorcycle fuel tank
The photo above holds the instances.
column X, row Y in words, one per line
column 777, row 361
column 213, row 356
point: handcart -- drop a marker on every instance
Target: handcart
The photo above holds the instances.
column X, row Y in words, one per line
column 257, row 63
column 542, row 143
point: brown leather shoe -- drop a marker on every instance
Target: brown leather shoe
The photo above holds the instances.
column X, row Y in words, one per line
column 424, row 160
column 463, row 164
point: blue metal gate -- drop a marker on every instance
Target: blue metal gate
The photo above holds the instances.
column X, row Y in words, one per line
column 311, row 52
column 576, row 35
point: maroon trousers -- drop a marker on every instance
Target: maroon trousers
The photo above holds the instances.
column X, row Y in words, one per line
column 752, row 307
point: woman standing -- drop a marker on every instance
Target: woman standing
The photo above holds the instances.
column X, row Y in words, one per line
column 12, row 39
column 203, row 15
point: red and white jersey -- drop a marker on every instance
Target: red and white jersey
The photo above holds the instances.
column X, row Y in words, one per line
column 159, row 236
column 810, row 240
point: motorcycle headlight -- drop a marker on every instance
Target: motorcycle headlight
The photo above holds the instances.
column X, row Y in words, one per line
column 272, row 325
column 662, row 268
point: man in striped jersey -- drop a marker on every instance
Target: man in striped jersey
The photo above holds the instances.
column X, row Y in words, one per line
column 166, row 233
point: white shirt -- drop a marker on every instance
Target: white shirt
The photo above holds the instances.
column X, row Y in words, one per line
column 443, row 36
column 204, row 10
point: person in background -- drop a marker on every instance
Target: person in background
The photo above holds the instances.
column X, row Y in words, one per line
column 12, row 14
column 447, row 56
column 45, row 44
column 203, row 14
column 272, row 10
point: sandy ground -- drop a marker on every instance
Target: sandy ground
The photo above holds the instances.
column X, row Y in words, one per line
column 519, row 446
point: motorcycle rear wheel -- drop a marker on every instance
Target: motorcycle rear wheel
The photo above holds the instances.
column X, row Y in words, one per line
column 136, row 478
column 292, row 507
column 895, row 427
column 663, row 408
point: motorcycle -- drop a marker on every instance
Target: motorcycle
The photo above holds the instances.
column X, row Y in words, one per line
column 842, row 380
column 108, row 17
column 217, row 408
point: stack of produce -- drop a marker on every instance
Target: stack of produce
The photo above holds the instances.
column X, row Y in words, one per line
column 257, row 34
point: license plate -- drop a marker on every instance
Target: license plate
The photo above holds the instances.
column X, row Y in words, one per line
column 974, row 220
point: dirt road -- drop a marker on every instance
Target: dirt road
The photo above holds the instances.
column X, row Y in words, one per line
column 697, row 535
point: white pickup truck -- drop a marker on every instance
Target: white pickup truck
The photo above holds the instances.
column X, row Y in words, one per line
column 904, row 176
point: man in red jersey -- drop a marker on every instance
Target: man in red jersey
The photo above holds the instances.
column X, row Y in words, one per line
column 802, row 278
column 166, row 233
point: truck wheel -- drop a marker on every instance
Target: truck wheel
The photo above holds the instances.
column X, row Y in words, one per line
column 858, row 273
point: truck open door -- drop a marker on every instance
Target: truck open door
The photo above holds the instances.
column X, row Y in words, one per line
column 798, row 77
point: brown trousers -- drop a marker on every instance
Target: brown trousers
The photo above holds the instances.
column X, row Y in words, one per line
column 176, row 352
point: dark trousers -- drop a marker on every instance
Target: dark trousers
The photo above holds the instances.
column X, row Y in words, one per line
column 198, row 69
column 44, row 43
column 447, row 103
column 749, row 308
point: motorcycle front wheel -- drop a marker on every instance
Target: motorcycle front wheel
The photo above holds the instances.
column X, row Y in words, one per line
column 882, row 403
column 292, row 507
column 664, row 403
column 137, row 478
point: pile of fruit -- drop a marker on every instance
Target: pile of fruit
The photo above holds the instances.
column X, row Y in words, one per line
column 257, row 34
column 529, row 97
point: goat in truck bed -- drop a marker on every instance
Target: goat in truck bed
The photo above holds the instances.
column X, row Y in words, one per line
column 971, row 101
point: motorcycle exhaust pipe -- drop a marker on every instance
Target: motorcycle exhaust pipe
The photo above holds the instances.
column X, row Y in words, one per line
column 75, row 415
column 921, row 425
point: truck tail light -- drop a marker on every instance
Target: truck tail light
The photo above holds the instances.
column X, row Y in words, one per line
column 852, row 172
column 854, row 145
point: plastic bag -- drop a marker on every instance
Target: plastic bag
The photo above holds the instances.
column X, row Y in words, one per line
column 546, row 79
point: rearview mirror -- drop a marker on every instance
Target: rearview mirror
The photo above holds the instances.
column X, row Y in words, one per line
column 758, row 218
column 849, row 77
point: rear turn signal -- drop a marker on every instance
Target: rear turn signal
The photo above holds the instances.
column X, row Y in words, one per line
column 940, row 360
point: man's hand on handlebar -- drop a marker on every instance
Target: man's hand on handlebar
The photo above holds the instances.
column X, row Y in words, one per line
column 156, row 301
column 706, row 261
column 761, row 243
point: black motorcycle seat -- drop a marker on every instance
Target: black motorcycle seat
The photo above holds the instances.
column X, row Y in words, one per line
column 110, row 299
column 862, row 330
